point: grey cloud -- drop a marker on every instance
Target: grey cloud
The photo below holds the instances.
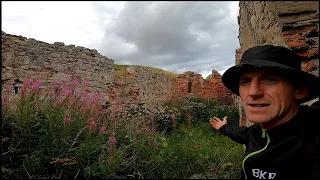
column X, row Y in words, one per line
column 197, row 36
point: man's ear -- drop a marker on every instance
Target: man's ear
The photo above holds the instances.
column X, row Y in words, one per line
column 302, row 91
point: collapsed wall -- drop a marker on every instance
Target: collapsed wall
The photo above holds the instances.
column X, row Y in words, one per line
column 293, row 24
column 190, row 83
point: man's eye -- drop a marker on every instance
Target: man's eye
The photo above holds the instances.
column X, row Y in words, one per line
column 243, row 81
column 272, row 79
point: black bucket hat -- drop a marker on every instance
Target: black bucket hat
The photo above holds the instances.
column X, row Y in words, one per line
column 279, row 58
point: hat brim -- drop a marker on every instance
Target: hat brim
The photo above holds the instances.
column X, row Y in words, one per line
column 231, row 76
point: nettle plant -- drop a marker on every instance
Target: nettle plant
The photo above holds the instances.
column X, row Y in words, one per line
column 167, row 118
column 163, row 119
column 197, row 110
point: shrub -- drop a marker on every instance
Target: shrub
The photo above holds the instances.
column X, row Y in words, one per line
column 167, row 119
column 201, row 109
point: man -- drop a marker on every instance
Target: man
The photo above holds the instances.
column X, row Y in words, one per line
column 284, row 142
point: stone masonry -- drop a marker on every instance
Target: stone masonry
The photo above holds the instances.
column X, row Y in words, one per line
column 142, row 85
column 26, row 58
column 293, row 24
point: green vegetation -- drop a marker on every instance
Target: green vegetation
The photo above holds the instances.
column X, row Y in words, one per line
column 120, row 70
column 63, row 132
column 170, row 74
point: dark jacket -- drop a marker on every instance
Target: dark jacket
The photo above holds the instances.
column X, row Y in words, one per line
column 288, row 151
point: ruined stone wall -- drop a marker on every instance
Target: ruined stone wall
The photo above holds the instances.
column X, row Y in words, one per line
column 293, row 24
column 24, row 58
column 141, row 84
column 154, row 85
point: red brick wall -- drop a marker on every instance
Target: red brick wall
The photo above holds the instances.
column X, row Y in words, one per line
column 212, row 87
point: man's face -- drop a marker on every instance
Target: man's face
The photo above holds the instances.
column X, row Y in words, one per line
column 267, row 96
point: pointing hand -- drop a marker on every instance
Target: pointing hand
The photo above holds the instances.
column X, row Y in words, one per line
column 217, row 123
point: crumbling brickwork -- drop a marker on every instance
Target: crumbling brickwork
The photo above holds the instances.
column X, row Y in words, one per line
column 212, row 87
column 293, row 24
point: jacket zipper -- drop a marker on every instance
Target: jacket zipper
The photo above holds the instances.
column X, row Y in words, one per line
column 264, row 133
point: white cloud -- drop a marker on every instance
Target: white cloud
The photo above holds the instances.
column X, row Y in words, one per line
column 50, row 21
column 174, row 36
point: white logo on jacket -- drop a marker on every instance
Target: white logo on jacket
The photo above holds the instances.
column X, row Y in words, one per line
column 260, row 174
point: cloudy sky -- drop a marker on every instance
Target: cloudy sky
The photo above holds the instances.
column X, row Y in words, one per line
column 174, row 36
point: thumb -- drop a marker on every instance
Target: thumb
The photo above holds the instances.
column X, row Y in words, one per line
column 225, row 119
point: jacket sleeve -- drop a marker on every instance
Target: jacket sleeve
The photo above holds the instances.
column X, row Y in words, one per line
column 237, row 134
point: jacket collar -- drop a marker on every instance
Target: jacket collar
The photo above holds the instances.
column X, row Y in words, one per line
column 289, row 127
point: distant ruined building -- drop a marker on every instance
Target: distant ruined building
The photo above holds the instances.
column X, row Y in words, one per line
column 293, row 24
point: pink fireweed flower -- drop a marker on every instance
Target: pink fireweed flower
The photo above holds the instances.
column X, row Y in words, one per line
column 10, row 87
column 36, row 85
column 112, row 140
column 57, row 82
column 3, row 102
column 67, row 119
column 102, row 129
column 27, row 82
column 58, row 101
column 92, row 123
column 85, row 99
column 66, row 91
column 173, row 117
column 23, row 91
column 138, row 131
column 75, row 82
column 96, row 97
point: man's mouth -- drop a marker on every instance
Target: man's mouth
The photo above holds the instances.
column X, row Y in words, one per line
column 258, row 105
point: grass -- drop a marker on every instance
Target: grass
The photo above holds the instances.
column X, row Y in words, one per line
column 200, row 152
column 170, row 74
column 120, row 70
column 63, row 132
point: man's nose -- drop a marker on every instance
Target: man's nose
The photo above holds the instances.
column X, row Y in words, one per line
column 256, row 88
